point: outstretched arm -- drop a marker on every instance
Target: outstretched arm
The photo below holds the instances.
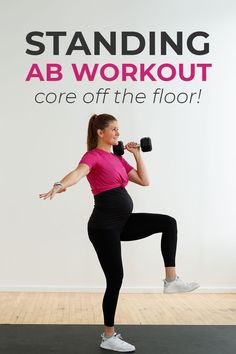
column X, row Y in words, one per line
column 69, row 180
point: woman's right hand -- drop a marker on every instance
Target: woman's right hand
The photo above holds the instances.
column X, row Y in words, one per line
column 70, row 179
column 52, row 192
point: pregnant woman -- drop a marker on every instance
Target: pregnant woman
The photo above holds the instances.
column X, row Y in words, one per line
column 112, row 220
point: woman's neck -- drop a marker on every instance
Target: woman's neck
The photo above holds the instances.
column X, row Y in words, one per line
column 105, row 147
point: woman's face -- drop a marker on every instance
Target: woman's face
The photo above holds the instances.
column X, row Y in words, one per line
column 110, row 134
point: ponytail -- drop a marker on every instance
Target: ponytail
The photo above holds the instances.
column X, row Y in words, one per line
column 96, row 122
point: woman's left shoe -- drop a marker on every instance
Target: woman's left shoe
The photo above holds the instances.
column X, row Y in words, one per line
column 178, row 286
column 116, row 343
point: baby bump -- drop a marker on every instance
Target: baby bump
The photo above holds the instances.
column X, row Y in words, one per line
column 112, row 208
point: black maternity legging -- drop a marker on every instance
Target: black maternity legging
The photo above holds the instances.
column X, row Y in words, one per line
column 111, row 222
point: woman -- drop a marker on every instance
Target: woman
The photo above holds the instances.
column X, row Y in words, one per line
column 112, row 219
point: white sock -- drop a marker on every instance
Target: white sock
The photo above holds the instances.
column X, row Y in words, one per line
column 109, row 336
column 169, row 280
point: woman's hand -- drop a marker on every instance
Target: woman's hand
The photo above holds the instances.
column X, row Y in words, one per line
column 69, row 180
column 52, row 192
column 132, row 147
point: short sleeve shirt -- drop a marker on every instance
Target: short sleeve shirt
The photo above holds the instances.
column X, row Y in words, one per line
column 107, row 170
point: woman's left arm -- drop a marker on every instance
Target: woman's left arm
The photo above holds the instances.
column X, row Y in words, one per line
column 140, row 175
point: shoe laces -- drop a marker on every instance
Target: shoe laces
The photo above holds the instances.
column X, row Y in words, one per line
column 118, row 335
column 185, row 283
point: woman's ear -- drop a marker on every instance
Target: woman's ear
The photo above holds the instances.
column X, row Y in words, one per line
column 100, row 133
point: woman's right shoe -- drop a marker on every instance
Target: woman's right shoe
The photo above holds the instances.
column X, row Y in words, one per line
column 179, row 286
column 116, row 343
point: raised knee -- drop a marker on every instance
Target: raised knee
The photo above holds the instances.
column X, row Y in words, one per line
column 173, row 223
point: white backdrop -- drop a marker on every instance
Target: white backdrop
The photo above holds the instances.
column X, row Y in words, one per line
column 44, row 243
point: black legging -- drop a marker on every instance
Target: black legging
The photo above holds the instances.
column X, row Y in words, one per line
column 106, row 242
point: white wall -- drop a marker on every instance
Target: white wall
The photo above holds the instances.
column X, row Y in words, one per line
column 44, row 244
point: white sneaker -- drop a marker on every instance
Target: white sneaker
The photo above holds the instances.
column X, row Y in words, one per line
column 178, row 286
column 116, row 343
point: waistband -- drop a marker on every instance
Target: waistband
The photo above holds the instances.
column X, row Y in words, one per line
column 112, row 199
column 109, row 192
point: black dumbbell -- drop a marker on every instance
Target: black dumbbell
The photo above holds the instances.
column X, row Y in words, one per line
column 145, row 144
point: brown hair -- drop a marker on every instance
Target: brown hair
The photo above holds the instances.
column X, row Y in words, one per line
column 100, row 121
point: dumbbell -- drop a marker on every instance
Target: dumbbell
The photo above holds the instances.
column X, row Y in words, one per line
column 145, row 144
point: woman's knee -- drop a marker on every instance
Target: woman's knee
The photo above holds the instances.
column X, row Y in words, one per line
column 172, row 223
column 115, row 280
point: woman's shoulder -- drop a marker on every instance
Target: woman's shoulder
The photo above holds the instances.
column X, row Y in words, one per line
column 92, row 152
column 91, row 155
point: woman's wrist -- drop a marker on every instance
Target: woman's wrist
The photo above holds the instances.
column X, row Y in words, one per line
column 137, row 153
column 58, row 184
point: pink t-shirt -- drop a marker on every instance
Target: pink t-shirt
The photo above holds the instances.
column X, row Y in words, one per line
column 107, row 170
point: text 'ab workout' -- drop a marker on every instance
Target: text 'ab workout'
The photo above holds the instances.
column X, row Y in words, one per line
column 154, row 44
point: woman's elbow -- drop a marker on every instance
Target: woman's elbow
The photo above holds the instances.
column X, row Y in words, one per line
column 145, row 184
